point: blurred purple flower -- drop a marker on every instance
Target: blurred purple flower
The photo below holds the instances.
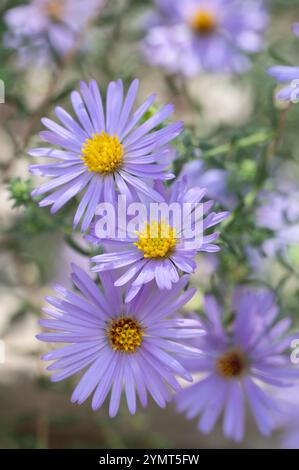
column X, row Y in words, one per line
column 279, row 212
column 106, row 153
column 214, row 180
column 241, row 365
column 190, row 36
column 162, row 249
column 136, row 346
column 287, row 74
column 289, row 423
column 44, row 24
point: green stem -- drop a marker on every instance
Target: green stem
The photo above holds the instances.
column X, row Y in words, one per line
column 75, row 246
column 255, row 139
column 278, row 134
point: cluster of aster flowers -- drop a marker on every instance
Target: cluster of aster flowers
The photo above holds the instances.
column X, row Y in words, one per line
column 125, row 327
column 184, row 37
column 122, row 328
column 205, row 35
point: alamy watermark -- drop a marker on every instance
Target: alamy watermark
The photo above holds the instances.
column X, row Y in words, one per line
column 125, row 221
column 295, row 351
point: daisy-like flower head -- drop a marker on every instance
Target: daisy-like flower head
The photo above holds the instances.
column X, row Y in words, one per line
column 163, row 248
column 289, row 75
column 213, row 35
column 135, row 346
column 44, row 22
column 242, row 366
column 106, row 153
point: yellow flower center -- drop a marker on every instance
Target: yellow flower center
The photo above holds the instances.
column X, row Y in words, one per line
column 102, row 153
column 54, row 9
column 156, row 240
column 203, row 22
column 232, row 364
column 125, row 334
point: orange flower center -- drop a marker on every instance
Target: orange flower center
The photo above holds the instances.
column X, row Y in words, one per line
column 203, row 22
column 54, row 9
column 125, row 334
column 232, row 364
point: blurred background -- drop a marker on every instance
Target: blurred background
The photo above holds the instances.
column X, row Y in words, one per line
column 233, row 124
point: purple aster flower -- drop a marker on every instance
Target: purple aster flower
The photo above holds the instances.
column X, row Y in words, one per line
column 136, row 346
column 212, row 35
column 289, row 75
column 242, row 365
column 106, row 152
column 163, row 247
column 44, row 22
column 279, row 212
